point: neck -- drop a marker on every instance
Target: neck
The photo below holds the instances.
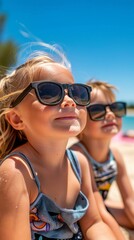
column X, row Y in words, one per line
column 97, row 148
column 48, row 154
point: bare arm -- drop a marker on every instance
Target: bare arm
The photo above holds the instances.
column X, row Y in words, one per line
column 91, row 224
column 125, row 187
column 14, row 203
column 107, row 217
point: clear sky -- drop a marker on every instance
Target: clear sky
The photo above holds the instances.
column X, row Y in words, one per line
column 97, row 36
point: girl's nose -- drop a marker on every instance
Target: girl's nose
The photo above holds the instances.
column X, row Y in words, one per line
column 109, row 114
column 68, row 101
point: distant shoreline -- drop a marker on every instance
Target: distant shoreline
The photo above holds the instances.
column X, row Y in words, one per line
column 130, row 111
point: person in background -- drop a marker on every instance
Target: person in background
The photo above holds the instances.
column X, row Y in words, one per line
column 106, row 163
column 45, row 190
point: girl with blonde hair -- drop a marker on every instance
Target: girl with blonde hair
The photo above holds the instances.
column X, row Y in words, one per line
column 45, row 190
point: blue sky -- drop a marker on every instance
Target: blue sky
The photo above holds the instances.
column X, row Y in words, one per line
column 97, row 36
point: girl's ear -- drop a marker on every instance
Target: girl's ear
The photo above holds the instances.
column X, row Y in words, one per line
column 15, row 121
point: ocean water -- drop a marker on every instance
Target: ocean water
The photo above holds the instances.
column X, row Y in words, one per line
column 128, row 123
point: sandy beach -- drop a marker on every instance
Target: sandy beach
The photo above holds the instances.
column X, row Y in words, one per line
column 126, row 147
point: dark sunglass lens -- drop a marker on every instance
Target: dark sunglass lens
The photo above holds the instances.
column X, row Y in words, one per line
column 96, row 112
column 80, row 94
column 49, row 93
column 119, row 109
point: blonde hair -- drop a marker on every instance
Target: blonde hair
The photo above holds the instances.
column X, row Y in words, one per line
column 10, row 87
column 107, row 88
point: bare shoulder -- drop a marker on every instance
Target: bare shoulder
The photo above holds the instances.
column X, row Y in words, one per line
column 117, row 154
column 14, row 166
column 82, row 159
column 84, row 163
column 119, row 160
column 76, row 147
column 8, row 171
column 14, row 199
column 13, row 179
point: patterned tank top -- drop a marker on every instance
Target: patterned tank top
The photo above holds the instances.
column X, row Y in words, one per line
column 104, row 173
column 47, row 219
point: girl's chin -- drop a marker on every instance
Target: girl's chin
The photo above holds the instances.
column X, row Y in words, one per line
column 111, row 130
column 73, row 131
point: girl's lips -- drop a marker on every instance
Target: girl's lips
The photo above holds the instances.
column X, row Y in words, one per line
column 67, row 118
column 109, row 125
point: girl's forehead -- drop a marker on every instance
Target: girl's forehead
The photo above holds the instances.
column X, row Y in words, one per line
column 54, row 72
column 98, row 95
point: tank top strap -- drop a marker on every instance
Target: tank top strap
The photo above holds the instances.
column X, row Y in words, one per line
column 91, row 159
column 111, row 156
column 74, row 162
column 85, row 151
column 27, row 161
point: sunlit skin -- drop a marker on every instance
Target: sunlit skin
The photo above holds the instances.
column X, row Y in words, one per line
column 104, row 129
column 97, row 134
column 48, row 129
column 60, row 118
column 96, row 137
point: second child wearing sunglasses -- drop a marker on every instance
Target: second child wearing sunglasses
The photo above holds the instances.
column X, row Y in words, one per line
column 104, row 121
column 45, row 190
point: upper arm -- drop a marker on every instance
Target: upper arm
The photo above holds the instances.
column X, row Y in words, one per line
column 92, row 214
column 91, row 224
column 92, row 189
column 14, row 203
column 122, row 179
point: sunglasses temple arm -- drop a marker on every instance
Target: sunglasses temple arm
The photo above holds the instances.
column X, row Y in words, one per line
column 21, row 96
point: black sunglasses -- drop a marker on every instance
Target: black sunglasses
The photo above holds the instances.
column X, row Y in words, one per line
column 97, row 112
column 52, row 93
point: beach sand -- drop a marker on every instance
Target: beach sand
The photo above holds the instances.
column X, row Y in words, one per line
column 126, row 147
